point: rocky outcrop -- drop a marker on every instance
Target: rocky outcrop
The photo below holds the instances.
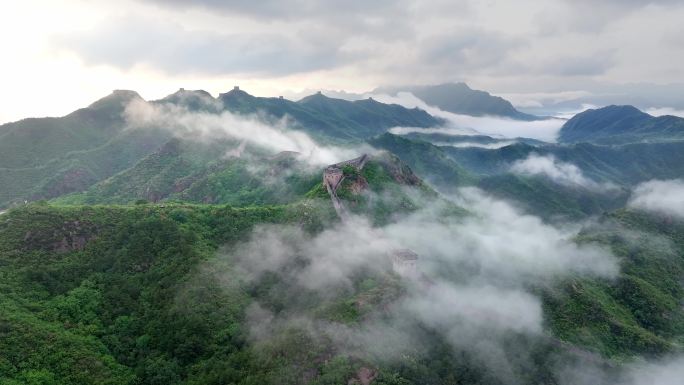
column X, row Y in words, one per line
column 71, row 236
column 364, row 376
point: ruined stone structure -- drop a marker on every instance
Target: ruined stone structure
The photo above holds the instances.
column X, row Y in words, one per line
column 405, row 263
column 333, row 177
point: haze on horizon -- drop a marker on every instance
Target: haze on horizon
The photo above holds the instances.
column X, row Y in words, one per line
column 62, row 55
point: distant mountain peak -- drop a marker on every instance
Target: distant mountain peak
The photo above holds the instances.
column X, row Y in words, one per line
column 195, row 100
column 236, row 92
column 625, row 108
column 619, row 124
column 184, row 92
column 117, row 97
column 459, row 98
column 318, row 96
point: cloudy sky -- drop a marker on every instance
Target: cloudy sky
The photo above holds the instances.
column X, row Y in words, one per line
column 60, row 55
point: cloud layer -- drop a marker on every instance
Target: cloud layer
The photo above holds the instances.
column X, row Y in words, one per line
column 660, row 196
column 205, row 126
column 546, row 130
column 560, row 172
column 476, row 274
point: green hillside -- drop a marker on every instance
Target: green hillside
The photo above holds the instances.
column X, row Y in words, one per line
column 641, row 310
column 327, row 118
column 619, row 125
column 143, row 258
column 427, row 160
column 201, row 173
column 547, row 199
column 621, row 164
column 458, row 98
column 141, row 294
column 49, row 157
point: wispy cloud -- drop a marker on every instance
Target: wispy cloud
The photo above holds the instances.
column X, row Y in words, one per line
column 204, row 126
column 660, row 111
column 666, row 372
column 490, row 146
column 476, row 269
column 660, row 196
column 546, row 130
column 556, row 170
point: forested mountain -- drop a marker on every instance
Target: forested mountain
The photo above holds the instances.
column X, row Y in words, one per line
column 152, row 253
column 45, row 158
column 619, row 125
column 42, row 158
column 622, row 164
column 327, row 118
column 458, row 98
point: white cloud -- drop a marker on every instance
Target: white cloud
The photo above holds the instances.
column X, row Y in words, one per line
column 490, row 146
column 660, row 111
column 540, row 99
column 504, row 244
column 660, row 196
column 208, row 126
column 478, row 270
column 665, row 372
column 546, row 130
column 560, row 172
column 571, row 113
column 454, row 131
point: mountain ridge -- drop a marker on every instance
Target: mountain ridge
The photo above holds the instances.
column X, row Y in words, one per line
column 459, row 98
column 619, row 125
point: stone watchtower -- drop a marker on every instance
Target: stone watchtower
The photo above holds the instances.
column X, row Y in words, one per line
column 405, row 263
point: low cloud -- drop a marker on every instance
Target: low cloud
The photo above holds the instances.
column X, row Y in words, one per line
column 453, row 131
column 490, row 146
column 665, row 372
column 541, row 99
column 545, row 130
column 560, row 172
column 659, row 196
column 661, row 111
column 475, row 291
column 206, row 126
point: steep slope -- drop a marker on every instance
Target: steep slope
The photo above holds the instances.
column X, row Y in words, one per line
column 641, row 310
column 490, row 171
column 458, row 98
column 380, row 186
column 141, row 294
column 104, row 291
column 552, row 201
column 202, row 173
column 626, row 164
column 427, row 160
column 47, row 157
column 33, row 142
column 193, row 100
column 619, row 125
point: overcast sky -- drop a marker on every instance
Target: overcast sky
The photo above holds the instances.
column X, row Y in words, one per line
column 61, row 55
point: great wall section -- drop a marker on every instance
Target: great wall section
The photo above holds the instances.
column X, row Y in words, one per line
column 404, row 261
column 333, row 176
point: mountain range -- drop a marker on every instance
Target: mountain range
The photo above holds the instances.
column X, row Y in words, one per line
column 42, row 158
column 140, row 255
column 458, row 98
